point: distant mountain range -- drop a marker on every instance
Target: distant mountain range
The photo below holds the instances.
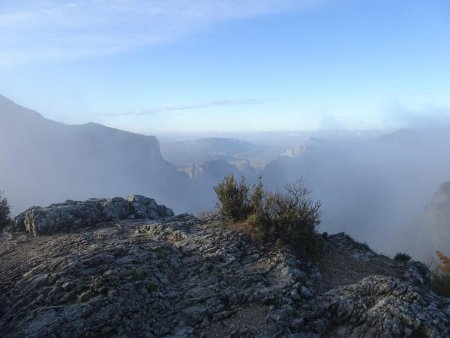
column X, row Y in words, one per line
column 43, row 161
column 233, row 151
column 374, row 188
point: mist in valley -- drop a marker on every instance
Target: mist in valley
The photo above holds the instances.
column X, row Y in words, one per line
column 166, row 98
column 379, row 186
column 376, row 186
column 375, row 190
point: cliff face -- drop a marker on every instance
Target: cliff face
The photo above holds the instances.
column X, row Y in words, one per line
column 430, row 231
column 436, row 217
column 185, row 277
column 79, row 161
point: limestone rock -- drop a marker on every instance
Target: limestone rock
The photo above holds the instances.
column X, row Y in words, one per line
column 380, row 306
column 179, row 276
column 72, row 215
column 116, row 208
column 145, row 207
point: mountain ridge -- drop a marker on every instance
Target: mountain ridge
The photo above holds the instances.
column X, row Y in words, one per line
column 79, row 161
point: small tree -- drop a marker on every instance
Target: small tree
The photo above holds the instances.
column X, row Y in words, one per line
column 4, row 211
column 257, row 197
column 234, row 203
column 440, row 278
column 444, row 265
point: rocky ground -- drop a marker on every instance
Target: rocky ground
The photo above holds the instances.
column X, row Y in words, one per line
column 179, row 276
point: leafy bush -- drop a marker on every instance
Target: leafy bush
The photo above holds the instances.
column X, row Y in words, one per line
column 4, row 211
column 444, row 265
column 234, row 202
column 288, row 218
column 402, row 257
column 440, row 278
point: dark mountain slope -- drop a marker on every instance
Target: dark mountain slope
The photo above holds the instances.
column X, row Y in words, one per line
column 43, row 161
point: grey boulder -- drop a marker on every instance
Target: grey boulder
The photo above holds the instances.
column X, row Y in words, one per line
column 72, row 215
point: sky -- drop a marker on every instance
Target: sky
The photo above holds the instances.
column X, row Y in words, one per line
column 231, row 65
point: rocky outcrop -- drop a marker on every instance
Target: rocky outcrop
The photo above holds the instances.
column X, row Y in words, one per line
column 185, row 277
column 144, row 207
column 75, row 214
column 380, row 306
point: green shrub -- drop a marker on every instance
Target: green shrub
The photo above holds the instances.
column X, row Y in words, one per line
column 402, row 257
column 257, row 197
column 234, row 202
column 288, row 219
column 4, row 211
column 440, row 276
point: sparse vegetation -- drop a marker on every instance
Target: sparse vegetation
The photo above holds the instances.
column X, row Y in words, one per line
column 288, row 219
column 234, row 199
column 402, row 257
column 4, row 211
column 440, row 279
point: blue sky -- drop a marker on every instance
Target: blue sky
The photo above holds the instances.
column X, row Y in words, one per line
column 175, row 65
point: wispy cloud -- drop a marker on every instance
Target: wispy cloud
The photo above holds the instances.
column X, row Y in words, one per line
column 209, row 104
column 33, row 30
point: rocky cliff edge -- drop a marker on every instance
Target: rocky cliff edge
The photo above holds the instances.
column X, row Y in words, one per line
column 129, row 267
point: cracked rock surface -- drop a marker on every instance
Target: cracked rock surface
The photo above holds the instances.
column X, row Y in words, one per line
column 72, row 215
column 184, row 277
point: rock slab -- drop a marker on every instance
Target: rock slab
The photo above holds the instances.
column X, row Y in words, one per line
column 183, row 277
column 72, row 215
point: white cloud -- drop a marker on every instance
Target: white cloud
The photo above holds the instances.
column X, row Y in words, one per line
column 209, row 104
column 33, row 30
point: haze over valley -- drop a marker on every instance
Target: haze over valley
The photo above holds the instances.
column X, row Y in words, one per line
column 375, row 186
